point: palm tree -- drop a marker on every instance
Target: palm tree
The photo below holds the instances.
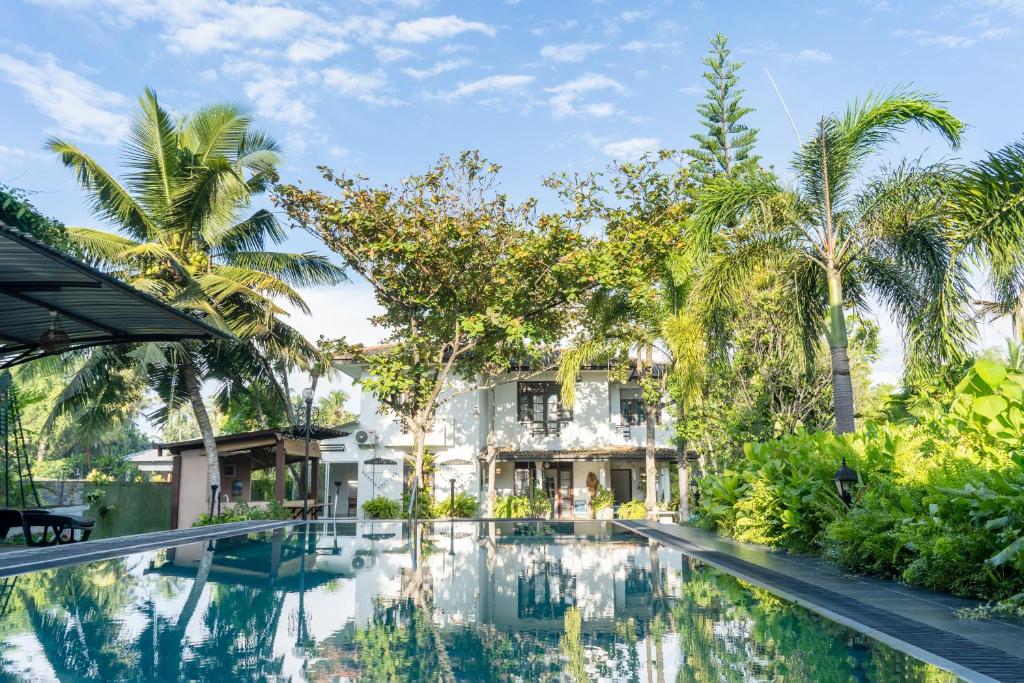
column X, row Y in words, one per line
column 186, row 236
column 837, row 237
column 989, row 207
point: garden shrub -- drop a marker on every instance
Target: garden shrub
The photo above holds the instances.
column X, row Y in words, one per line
column 243, row 512
column 519, row 507
column 382, row 507
column 465, row 506
column 604, row 498
column 634, row 509
column 940, row 502
column 424, row 504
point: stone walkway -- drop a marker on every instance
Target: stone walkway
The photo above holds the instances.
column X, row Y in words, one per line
column 25, row 560
column 919, row 622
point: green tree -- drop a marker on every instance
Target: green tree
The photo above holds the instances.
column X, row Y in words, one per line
column 332, row 408
column 458, row 270
column 838, row 237
column 186, row 237
column 726, row 144
column 633, row 319
column 989, row 207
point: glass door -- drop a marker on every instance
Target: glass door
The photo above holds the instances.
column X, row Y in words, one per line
column 563, row 500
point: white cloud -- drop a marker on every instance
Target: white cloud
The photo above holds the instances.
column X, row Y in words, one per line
column 273, row 101
column 997, row 33
column 565, row 98
column 200, row 26
column 813, row 55
column 497, row 83
column 80, row 108
column 630, row 16
column 432, row 28
column 314, row 49
column 631, row 149
column 370, row 88
column 388, row 54
column 929, row 39
column 647, row 45
column 571, row 52
column 437, row 69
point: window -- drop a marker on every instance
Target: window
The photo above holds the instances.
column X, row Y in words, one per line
column 540, row 405
column 632, row 408
column 525, row 479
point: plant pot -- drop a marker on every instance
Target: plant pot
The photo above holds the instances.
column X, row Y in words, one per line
column 606, row 513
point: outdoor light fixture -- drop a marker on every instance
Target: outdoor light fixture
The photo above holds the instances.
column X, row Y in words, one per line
column 54, row 340
column 845, row 479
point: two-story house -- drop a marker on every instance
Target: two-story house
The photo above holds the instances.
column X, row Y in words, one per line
column 541, row 443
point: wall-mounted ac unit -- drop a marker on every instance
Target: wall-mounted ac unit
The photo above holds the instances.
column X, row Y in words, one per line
column 366, row 438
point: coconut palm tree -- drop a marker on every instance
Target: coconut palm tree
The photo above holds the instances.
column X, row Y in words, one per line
column 186, row 236
column 989, row 207
column 838, row 237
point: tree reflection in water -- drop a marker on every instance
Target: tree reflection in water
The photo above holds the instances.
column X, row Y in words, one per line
column 512, row 607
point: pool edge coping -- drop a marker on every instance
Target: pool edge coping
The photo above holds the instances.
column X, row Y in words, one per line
column 926, row 656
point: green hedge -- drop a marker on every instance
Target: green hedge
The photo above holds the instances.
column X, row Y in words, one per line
column 941, row 498
column 244, row 513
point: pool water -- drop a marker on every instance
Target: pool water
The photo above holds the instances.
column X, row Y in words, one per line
column 466, row 601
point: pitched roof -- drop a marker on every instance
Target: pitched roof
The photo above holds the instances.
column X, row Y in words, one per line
column 93, row 308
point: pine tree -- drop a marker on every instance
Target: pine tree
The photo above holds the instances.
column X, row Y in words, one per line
column 727, row 145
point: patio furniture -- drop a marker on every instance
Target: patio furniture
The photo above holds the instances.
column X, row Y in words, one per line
column 45, row 528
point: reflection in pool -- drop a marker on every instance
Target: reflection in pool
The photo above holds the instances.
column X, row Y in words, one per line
column 459, row 601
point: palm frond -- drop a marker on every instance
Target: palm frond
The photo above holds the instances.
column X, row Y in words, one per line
column 107, row 198
column 299, row 270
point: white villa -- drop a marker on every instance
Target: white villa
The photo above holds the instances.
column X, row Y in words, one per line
column 540, row 444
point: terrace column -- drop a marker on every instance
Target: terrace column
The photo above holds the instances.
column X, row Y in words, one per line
column 279, row 470
column 315, row 464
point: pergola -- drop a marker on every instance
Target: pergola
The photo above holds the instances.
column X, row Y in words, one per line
column 241, row 454
column 42, row 289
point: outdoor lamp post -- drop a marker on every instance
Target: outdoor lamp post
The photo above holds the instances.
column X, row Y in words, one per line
column 451, row 509
column 845, row 480
column 307, row 396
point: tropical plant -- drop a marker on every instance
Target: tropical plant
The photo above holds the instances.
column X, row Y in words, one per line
column 243, row 512
column 187, row 239
column 517, row 507
column 633, row 509
column 604, row 498
column 465, row 506
column 382, row 507
column 726, row 145
column 838, row 238
column 988, row 204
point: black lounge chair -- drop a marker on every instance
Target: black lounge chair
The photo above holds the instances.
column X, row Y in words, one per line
column 50, row 528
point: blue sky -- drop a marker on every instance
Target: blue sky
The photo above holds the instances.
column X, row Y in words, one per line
column 382, row 88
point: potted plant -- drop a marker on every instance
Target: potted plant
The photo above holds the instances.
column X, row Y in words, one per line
column 604, row 503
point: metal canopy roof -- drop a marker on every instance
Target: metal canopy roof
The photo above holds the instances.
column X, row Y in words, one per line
column 93, row 308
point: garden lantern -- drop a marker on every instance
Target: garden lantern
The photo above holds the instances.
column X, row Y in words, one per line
column 845, row 479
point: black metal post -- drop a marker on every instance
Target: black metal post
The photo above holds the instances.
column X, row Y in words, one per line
column 451, row 509
column 305, row 462
column 213, row 497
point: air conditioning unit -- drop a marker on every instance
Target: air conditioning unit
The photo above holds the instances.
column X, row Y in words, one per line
column 366, row 438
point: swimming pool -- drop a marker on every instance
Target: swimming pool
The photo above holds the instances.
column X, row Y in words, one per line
column 460, row 601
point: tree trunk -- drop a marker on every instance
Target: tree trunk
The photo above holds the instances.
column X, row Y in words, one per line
column 492, row 457
column 188, row 373
column 684, row 482
column 842, row 385
column 419, row 439
column 650, row 450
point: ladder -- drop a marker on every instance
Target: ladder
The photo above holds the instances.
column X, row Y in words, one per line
column 19, row 488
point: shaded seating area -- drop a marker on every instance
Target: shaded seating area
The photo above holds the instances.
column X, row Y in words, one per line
column 51, row 303
column 241, row 456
